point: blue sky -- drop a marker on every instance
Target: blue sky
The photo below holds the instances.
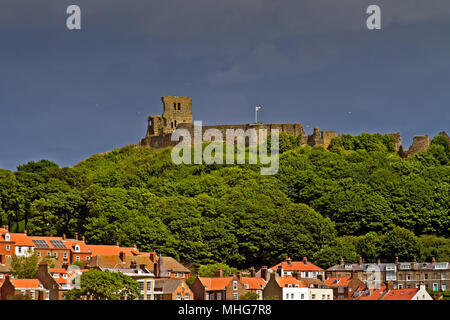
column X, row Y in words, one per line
column 65, row 95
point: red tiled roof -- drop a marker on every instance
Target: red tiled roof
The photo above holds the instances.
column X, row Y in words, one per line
column 400, row 294
column 26, row 283
column 253, row 283
column 372, row 294
column 111, row 250
column 21, row 239
column 297, row 266
column 285, row 281
column 215, row 283
column 338, row 281
column 57, row 270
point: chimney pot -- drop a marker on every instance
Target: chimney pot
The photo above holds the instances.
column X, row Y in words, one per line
column 219, row 273
column 342, row 260
column 360, row 260
column 433, row 260
column 305, row 261
column 83, row 238
column 64, row 236
column 378, row 261
column 76, row 235
column 396, row 260
column 25, row 232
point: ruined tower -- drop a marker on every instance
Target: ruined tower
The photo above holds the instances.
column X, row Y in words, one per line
column 176, row 110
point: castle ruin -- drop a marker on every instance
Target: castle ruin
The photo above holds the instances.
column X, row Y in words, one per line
column 177, row 113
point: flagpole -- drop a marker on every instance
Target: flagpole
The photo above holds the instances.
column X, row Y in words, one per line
column 256, row 115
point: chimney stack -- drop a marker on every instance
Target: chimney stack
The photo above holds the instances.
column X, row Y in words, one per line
column 135, row 246
column 83, row 238
column 396, row 260
column 264, row 272
column 360, row 260
column 219, row 273
column 378, row 261
column 156, row 269
column 342, row 261
column 305, row 261
column 64, row 236
column 280, row 271
column 288, row 260
column 25, row 232
column 390, row 285
column 117, row 243
column 433, row 260
column 76, row 235
column 252, row 272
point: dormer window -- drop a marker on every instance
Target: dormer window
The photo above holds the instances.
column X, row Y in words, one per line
column 77, row 248
column 64, row 275
column 7, row 237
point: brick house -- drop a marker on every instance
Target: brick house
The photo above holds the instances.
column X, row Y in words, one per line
column 7, row 246
column 51, row 247
column 218, row 288
column 33, row 289
column 168, row 267
column 285, row 288
column 435, row 275
column 305, row 268
column 343, row 287
column 169, row 289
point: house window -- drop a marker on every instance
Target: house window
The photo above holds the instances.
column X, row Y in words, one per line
column 32, row 295
column 168, row 274
column 56, row 254
column 87, row 258
column 186, row 297
column 141, row 285
column 19, row 249
column 408, row 277
column 65, row 255
column 444, row 287
column 328, row 297
column 55, row 275
column 313, row 297
column 39, row 254
column 400, row 286
column 47, row 295
column 425, row 276
column 219, row 295
column 435, row 287
column 1, row 275
column 77, row 248
column 77, row 258
column 175, row 122
column 49, row 253
column 235, row 285
column 341, row 289
column 8, row 247
column 64, row 275
column 178, row 296
column 179, row 106
column 302, row 296
column 176, row 274
column 7, row 237
column 235, row 296
column 181, row 274
column 292, row 296
column 174, row 106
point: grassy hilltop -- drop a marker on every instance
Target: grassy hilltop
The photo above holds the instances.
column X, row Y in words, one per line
column 358, row 198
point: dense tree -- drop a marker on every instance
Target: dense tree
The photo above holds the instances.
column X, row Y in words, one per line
column 24, row 267
column 324, row 204
column 104, row 285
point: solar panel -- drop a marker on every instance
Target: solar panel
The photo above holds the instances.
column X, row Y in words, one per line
column 58, row 244
column 41, row 243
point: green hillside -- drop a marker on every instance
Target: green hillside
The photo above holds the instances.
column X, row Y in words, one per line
column 356, row 199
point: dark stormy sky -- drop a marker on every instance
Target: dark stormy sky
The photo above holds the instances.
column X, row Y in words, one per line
column 65, row 95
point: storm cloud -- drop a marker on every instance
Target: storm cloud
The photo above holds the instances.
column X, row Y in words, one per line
column 65, row 95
